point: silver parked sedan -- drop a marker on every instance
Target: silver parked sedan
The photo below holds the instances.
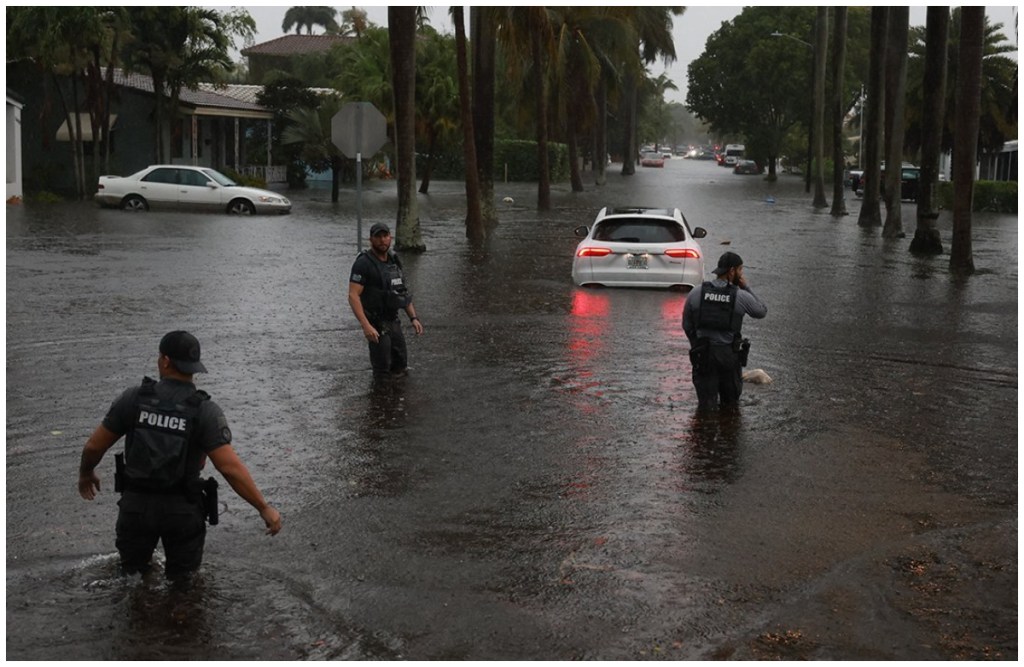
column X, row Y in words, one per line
column 639, row 247
column 189, row 188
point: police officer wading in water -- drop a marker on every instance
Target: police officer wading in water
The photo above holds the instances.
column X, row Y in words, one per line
column 171, row 428
column 712, row 319
column 376, row 292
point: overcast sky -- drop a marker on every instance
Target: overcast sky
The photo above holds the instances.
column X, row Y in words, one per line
column 691, row 30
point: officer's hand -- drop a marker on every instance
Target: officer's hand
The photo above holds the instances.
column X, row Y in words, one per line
column 88, row 485
column 418, row 327
column 272, row 518
column 371, row 334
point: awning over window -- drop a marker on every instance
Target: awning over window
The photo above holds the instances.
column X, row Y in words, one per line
column 63, row 134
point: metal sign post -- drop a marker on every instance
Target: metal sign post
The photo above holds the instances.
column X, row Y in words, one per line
column 359, row 128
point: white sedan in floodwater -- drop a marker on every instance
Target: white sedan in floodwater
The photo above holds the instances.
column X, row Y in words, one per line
column 173, row 186
column 639, row 247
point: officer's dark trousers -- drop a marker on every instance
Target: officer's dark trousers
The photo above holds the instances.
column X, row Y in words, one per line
column 722, row 382
column 388, row 355
column 145, row 519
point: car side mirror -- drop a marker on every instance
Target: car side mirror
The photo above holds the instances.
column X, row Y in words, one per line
column 699, row 232
column 581, row 231
column 212, row 184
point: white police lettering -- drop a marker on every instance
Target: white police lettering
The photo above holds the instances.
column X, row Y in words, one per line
column 162, row 421
column 356, row 278
column 396, row 281
column 716, row 297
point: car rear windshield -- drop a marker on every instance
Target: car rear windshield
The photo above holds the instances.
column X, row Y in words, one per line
column 639, row 231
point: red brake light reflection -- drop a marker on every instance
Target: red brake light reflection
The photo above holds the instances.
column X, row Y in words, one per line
column 684, row 253
column 594, row 252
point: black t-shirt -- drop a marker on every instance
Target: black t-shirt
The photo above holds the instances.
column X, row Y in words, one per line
column 211, row 429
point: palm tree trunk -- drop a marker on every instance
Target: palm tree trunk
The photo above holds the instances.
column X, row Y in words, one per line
column 402, row 43
column 475, row 231
column 965, row 139
column 895, row 102
column 572, row 142
column 429, row 166
column 629, row 107
column 601, row 132
column 838, row 111
column 484, row 42
column 539, row 85
column 927, row 240
column 820, row 49
column 870, row 215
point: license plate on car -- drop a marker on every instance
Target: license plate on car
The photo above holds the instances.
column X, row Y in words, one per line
column 636, row 261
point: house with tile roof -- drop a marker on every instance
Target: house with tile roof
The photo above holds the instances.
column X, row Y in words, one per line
column 209, row 128
column 280, row 54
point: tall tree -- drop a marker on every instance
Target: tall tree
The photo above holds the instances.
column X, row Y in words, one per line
column 873, row 112
column 820, row 50
column 965, row 149
column 310, row 129
column 354, row 22
column 838, row 110
column 895, row 124
column 437, row 95
column 474, row 220
column 927, row 240
column 483, row 39
column 307, row 17
column 402, row 40
column 526, row 35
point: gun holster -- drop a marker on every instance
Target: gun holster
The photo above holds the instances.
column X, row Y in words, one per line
column 742, row 347
column 119, row 473
column 210, row 501
column 700, row 355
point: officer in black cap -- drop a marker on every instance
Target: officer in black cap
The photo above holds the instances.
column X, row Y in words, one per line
column 377, row 291
column 712, row 319
column 171, row 428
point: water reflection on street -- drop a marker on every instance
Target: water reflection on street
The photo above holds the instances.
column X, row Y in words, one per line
column 539, row 486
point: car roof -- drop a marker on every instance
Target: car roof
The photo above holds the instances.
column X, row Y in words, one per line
column 640, row 210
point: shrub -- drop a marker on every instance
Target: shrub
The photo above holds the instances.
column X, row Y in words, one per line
column 989, row 196
column 248, row 181
column 521, row 159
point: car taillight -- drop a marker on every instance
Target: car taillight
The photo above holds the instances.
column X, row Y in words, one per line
column 683, row 253
column 594, row 252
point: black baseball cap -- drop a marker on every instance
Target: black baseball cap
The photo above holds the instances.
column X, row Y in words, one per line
column 182, row 349
column 379, row 228
column 727, row 261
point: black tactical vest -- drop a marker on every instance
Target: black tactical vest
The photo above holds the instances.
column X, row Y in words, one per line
column 383, row 300
column 157, row 445
column 718, row 308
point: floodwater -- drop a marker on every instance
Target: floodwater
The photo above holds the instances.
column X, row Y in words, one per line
column 539, row 486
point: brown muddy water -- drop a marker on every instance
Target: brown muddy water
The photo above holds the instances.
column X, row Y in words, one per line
column 539, row 486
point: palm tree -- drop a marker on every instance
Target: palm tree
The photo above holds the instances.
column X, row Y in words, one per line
column 527, row 37
column 870, row 215
column 437, row 94
column 307, row 17
column 965, row 150
column 311, row 129
column 474, row 221
column 354, row 22
column 926, row 237
column 838, row 110
column 483, row 23
column 895, row 102
column 820, row 49
column 402, row 40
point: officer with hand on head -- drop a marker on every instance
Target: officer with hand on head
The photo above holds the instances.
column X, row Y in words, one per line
column 712, row 319
column 376, row 292
column 170, row 428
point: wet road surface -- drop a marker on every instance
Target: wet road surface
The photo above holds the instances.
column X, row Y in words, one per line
column 539, row 486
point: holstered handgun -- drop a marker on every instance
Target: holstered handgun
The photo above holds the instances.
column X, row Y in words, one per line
column 210, row 501
column 119, row 473
column 700, row 356
column 742, row 347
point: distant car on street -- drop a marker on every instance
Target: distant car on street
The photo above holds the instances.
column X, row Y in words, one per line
column 652, row 159
column 639, row 247
column 746, row 167
column 170, row 186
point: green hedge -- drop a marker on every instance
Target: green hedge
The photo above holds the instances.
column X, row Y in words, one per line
column 519, row 156
column 989, row 196
column 521, row 159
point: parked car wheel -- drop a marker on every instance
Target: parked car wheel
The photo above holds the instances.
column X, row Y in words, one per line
column 134, row 203
column 241, row 207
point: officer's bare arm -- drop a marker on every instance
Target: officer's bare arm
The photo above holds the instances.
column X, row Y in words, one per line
column 96, row 446
column 355, row 290
column 228, row 464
